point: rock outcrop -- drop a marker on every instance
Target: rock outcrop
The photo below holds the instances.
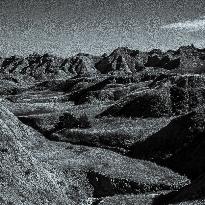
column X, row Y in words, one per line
column 167, row 95
column 121, row 61
column 81, row 65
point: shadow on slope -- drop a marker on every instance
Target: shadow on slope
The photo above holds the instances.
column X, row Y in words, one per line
column 179, row 145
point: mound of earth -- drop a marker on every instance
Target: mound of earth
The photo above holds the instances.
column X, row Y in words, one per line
column 24, row 179
column 145, row 103
column 44, row 123
column 179, row 145
column 190, row 194
column 121, row 61
column 81, row 65
column 81, row 96
column 168, row 95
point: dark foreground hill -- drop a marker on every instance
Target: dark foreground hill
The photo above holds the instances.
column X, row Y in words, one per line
column 123, row 128
column 179, row 145
column 36, row 171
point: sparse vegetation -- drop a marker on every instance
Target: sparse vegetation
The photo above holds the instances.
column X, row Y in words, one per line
column 83, row 121
column 68, row 121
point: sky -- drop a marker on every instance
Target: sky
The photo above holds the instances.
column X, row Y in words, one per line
column 68, row 27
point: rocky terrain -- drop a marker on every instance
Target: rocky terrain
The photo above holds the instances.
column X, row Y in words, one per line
column 121, row 128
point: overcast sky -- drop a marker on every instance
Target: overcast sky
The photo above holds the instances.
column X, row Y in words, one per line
column 67, row 27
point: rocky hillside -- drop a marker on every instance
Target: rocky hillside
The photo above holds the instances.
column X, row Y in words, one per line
column 121, row 128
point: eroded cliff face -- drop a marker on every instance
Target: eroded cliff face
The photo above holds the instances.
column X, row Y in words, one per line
column 122, row 61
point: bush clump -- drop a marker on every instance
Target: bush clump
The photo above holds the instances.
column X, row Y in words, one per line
column 69, row 121
column 83, row 121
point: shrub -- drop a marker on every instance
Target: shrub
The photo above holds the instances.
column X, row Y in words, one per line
column 83, row 121
column 68, row 121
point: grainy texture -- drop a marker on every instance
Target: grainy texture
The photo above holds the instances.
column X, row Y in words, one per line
column 123, row 127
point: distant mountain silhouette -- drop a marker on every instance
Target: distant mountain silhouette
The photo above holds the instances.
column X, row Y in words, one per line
column 122, row 61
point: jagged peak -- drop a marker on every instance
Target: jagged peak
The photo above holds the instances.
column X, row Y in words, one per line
column 155, row 51
column 122, row 50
